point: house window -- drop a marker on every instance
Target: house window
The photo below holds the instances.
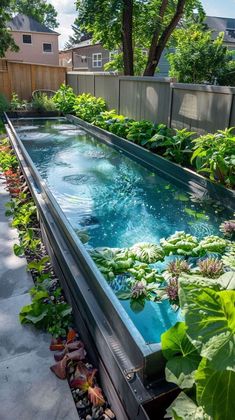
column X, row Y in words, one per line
column 97, row 60
column 47, row 48
column 27, row 39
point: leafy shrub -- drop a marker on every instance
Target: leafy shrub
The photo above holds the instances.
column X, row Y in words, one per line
column 159, row 139
column 17, row 104
column 88, row 107
column 141, row 131
column 214, row 154
column 119, row 125
column 42, row 103
column 64, row 99
column 4, row 104
column 104, row 117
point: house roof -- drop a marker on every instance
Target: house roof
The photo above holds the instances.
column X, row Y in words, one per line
column 81, row 44
column 221, row 24
column 23, row 23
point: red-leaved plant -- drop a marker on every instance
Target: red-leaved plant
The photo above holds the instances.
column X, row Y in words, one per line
column 84, row 380
column 69, row 350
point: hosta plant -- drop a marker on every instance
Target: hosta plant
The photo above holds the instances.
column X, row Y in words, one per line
column 180, row 243
column 162, row 136
column 119, row 125
column 211, row 267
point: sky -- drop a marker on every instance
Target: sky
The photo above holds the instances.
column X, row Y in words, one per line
column 67, row 13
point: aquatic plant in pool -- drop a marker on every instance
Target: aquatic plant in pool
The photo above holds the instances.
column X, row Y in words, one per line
column 134, row 222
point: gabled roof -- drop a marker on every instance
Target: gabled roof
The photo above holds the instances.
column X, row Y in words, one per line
column 221, row 24
column 23, row 23
column 85, row 43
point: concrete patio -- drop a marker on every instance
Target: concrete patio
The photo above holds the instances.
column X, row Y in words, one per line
column 28, row 388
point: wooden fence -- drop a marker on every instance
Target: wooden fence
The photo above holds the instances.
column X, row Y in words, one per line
column 24, row 78
column 199, row 108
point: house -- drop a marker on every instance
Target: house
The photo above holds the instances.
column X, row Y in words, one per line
column 37, row 43
column 87, row 56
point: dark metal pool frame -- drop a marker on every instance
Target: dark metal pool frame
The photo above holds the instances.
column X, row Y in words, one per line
column 132, row 371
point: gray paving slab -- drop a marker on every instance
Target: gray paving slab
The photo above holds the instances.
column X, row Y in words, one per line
column 28, row 389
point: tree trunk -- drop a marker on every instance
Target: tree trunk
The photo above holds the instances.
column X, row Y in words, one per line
column 158, row 44
column 127, row 28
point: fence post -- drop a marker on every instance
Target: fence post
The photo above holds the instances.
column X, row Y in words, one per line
column 170, row 104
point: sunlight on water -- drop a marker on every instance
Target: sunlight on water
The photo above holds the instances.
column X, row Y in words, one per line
column 115, row 200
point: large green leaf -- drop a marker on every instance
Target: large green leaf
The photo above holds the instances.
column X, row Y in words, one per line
column 215, row 391
column 210, row 318
column 183, row 408
column 183, row 357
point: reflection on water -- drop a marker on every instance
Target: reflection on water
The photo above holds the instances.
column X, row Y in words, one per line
column 117, row 201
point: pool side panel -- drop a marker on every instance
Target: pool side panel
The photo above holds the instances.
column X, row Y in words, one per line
column 192, row 181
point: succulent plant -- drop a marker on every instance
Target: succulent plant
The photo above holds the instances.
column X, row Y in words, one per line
column 212, row 244
column 180, row 243
column 228, row 228
column 211, row 267
column 147, row 253
column 139, row 290
column 178, row 266
column 172, row 291
column 112, row 261
column 144, row 272
column 229, row 258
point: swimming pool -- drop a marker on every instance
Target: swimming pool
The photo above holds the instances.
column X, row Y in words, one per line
column 115, row 201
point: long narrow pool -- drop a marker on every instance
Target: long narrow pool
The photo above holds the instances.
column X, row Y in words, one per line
column 114, row 200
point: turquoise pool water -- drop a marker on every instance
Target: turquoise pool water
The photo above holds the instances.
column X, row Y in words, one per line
column 115, row 200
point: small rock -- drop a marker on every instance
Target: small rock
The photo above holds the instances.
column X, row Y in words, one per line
column 109, row 413
column 88, row 417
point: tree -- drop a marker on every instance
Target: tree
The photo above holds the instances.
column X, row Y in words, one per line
column 78, row 36
column 7, row 42
column 40, row 10
column 197, row 58
column 133, row 24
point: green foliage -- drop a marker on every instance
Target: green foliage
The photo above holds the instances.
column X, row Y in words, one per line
column 211, row 267
column 214, row 155
column 4, row 104
column 120, row 125
column 200, row 353
column 40, row 265
column 41, row 11
column 42, row 103
column 178, row 148
column 8, row 161
column 197, row 58
column 181, row 355
column 180, row 243
column 16, row 103
column 141, row 131
column 160, row 139
column 52, row 317
column 7, row 41
column 88, row 107
column 64, row 99
column 229, row 258
column 105, row 21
